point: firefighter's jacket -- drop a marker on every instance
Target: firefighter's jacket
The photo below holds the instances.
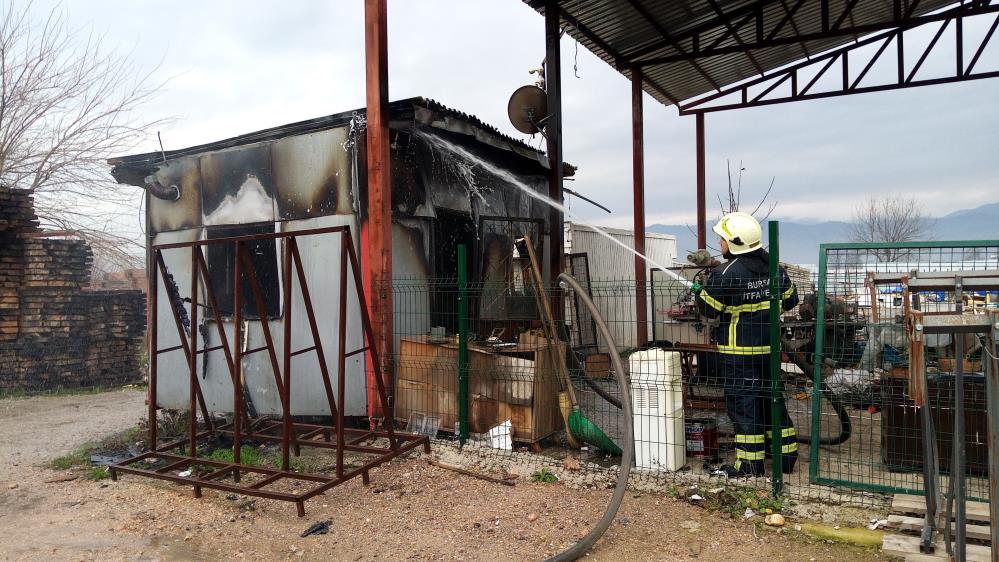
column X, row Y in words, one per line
column 738, row 292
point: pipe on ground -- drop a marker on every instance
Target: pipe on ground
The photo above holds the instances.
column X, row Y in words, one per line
column 627, row 457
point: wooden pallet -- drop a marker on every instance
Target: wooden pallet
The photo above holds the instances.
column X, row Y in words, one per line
column 906, row 519
column 904, row 504
column 907, row 548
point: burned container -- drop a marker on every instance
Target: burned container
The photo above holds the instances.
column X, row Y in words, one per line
column 312, row 175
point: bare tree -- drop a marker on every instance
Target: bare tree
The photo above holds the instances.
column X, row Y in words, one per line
column 890, row 218
column 67, row 104
column 734, row 195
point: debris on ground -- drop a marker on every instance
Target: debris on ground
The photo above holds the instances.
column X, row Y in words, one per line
column 62, row 478
column 480, row 476
column 877, row 523
column 571, row 463
column 318, row 528
column 105, row 459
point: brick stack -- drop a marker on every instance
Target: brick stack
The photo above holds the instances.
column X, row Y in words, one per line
column 17, row 216
column 54, row 333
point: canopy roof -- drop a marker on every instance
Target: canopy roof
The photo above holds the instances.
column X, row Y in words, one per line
column 687, row 48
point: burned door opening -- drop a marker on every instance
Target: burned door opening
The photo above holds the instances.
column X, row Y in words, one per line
column 451, row 229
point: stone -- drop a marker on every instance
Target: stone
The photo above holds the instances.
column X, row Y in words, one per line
column 532, row 517
column 774, row 520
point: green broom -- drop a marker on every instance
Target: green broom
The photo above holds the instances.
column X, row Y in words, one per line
column 577, row 426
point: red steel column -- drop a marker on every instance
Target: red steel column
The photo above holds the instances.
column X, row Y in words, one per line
column 553, row 127
column 638, row 163
column 376, row 235
column 702, row 211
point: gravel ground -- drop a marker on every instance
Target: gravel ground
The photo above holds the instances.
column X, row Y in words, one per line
column 411, row 511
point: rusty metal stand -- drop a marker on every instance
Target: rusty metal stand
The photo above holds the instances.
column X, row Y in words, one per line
column 957, row 324
column 168, row 461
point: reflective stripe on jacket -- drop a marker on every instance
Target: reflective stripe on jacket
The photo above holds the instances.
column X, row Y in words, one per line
column 737, row 292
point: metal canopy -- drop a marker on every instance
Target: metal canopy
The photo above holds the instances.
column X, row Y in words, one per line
column 687, row 48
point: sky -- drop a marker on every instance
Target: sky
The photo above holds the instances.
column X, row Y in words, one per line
column 231, row 67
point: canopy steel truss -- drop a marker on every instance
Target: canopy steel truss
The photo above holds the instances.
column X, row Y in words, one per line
column 178, row 461
column 799, row 80
column 747, row 29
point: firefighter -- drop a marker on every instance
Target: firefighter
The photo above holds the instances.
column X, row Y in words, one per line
column 737, row 293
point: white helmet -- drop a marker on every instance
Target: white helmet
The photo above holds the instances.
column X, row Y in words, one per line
column 742, row 232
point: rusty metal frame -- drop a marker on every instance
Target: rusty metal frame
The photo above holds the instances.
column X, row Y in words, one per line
column 182, row 455
column 747, row 29
column 766, row 89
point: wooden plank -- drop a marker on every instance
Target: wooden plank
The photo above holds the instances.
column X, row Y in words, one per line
column 912, row 523
column 926, row 558
column 899, row 545
column 904, row 546
column 916, row 505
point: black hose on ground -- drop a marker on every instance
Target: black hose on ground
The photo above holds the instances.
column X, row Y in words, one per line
column 628, row 447
column 845, row 425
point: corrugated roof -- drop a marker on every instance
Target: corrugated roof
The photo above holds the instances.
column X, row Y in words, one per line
column 404, row 109
column 625, row 32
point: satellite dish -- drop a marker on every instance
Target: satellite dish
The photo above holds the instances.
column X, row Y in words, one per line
column 528, row 108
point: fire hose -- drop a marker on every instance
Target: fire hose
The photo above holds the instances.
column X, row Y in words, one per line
column 628, row 446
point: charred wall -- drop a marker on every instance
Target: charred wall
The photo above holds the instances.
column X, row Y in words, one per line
column 54, row 331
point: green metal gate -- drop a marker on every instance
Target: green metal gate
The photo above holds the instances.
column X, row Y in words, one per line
column 861, row 342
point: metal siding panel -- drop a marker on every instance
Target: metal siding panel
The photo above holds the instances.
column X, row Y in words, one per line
column 611, row 266
column 172, row 388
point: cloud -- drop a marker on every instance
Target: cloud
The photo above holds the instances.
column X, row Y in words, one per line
column 235, row 67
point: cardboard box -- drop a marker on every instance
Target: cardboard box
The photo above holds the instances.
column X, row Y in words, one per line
column 598, row 365
column 513, row 380
column 415, row 396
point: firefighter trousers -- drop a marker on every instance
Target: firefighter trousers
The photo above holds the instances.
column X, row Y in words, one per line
column 748, row 403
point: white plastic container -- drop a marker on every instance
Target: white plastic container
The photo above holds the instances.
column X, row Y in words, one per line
column 657, row 399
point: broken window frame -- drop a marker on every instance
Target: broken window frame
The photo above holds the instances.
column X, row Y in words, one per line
column 264, row 254
column 517, row 286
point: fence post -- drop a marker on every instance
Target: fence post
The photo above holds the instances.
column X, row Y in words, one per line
column 463, row 406
column 820, row 338
column 776, row 396
column 992, row 409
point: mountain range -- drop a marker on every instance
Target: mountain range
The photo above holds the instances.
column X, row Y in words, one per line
column 799, row 241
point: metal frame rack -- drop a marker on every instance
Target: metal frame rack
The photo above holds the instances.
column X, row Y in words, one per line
column 919, row 324
column 182, row 455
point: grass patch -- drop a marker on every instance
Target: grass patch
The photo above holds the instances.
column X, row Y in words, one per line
column 544, row 476
column 97, row 473
column 733, row 500
column 21, row 393
column 120, row 441
column 79, row 457
column 247, row 455
column 254, row 456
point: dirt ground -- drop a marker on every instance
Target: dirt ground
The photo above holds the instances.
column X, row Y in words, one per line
column 411, row 511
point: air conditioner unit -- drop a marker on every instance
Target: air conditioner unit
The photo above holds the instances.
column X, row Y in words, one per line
column 657, row 403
